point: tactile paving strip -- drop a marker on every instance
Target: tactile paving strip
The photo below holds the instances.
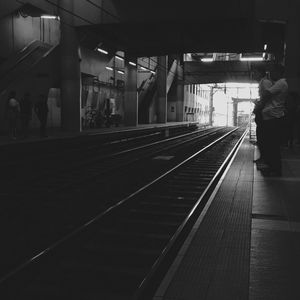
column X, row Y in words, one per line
column 216, row 264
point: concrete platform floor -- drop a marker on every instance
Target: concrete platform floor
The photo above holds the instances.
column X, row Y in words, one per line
column 246, row 244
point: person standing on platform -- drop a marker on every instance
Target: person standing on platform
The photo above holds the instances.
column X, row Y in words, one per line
column 41, row 110
column 13, row 111
column 292, row 107
column 26, row 113
column 273, row 113
column 261, row 76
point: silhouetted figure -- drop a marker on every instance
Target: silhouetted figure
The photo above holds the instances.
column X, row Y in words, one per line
column 107, row 113
column 13, row 111
column 260, row 75
column 298, row 124
column 25, row 113
column 41, row 110
column 273, row 117
column 292, row 104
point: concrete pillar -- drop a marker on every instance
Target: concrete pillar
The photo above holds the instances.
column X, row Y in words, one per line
column 162, row 74
column 180, row 95
column 292, row 61
column 131, row 94
column 235, row 113
column 70, row 71
column 211, row 106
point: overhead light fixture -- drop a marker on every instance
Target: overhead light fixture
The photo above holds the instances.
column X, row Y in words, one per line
column 152, row 72
column 265, row 46
column 132, row 63
column 102, row 51
column 109, row 68
column 142, row 68
column 119, row 57
column 121, row 72
column 251, row 58
column 207, row 59
column 50, row 17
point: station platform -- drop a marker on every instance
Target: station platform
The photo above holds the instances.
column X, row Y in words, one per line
column 56, row 133
column 246, row 242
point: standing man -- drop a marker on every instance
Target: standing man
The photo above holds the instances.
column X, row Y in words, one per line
column 41, row 110
column 13, row 111
column 26, row 113
column 260, row 75
column 273, row 113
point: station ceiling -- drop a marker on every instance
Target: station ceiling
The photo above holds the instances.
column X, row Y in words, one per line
column 159, row 27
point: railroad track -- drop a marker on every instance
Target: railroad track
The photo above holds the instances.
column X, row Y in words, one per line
column 120, row 253
column 59, row 211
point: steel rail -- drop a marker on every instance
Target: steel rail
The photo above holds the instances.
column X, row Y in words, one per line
column 105, row 213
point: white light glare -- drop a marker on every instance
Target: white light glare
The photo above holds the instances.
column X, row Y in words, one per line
column 119, row 58
column 265, row 47
column 252, row 58
column 207, row 59
column 102, row 51
column 49, row 17
column 109, row 68
column 132, row 63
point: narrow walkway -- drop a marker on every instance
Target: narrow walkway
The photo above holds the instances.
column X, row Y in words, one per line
column 246, row 244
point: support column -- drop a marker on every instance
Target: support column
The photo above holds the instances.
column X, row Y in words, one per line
column 70, row 71
column 292, row 61
column 162, row 74
column 131, row 94
column 235, row 113
column 211, row 106
column 180, row 95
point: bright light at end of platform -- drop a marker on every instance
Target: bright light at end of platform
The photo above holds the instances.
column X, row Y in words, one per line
column 207, row 59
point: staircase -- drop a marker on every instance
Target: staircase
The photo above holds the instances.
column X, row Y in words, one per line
column 17, row 66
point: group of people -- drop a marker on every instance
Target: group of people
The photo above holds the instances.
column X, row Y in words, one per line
column 275, row 116
column 22, row 111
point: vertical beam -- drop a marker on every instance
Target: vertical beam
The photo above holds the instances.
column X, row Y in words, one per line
column 235, row 113
column 180, row 95
column 131, row 94
column 70, row 71
column 211, row 106
column 162, row 73
column 292, row 61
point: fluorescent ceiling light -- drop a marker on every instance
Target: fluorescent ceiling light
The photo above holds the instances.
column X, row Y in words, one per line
column 265, row 46
column 207, row 59
column 152, row 72
column 109, row 68
column 121, row 72
column 142, row 68
column 251, row 58
column 119, row 57
column 132, row 63
column 102, row 51
column 49, row 17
